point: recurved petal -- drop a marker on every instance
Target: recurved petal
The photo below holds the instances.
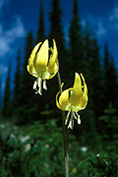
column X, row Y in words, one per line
column 32, row 70
column 84, row 99
column 84, row 102
column 76, row 95
column 85, row 94
column 53, row 58
column 64, row 99
column 33, row 53
column 41, row 59
column 53, row 73
column 57, row 102
column 84, row 83
column 55, row 53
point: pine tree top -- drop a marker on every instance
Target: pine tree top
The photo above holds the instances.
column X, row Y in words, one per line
column 41, row 28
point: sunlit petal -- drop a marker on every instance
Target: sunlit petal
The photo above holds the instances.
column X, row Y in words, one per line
column 77, row 90
column 84, row 99
column 55, row 70
column 32, row 70
column 85, row 86
column 53, row 58
column 84, row 102
column 64, row 99
column 41, row 59
column 57, row 102
column 33, row 53
column 41, row 65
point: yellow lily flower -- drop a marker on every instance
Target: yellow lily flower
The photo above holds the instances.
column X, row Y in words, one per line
column 43, row 64
column 73, row 100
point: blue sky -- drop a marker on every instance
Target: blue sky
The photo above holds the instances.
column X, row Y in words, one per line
column 18, row 17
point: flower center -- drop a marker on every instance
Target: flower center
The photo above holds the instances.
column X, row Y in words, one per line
column 69, row 121
column 38, row 85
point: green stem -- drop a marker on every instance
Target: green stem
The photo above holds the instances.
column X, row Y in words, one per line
column 65, row 134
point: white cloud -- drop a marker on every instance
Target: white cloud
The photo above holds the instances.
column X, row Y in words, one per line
column 3, row 85
column 114, row 14
column 3, row 68
column 83, row 23
column 7, row 37
column 2, row 2
column 101, row 29
column 105, row 24
column 113, row 18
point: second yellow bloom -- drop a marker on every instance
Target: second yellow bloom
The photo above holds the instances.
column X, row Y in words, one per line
column 73, row 100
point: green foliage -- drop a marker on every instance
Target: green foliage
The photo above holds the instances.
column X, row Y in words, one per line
column 47, row 149
column 37, row 151
column 102, row 165
column 38, row 154
column 110, row 123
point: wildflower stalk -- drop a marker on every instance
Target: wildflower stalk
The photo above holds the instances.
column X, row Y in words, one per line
column 65, row 133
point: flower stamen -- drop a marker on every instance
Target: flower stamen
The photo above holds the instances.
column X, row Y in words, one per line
column 40, row 86
column 44, row 84
column 71, row 122
column 79, row 120
column 35, row 85
column 77, row 117
column 67, row 117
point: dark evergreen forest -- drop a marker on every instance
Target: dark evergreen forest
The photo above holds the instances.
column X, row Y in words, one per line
column 39, row 117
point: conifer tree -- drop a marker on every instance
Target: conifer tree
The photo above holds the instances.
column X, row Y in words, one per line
column 28, row 49
column 106, row 59
column 6, row 100
column 56, row 31
column 0, row 97
column 109, row 125
column 17, row 83
column 114, row 83
column 96, row 87
column 26, row 92
column 76, row 39
column 41, row 27
column 96, row 80
column 16, row 100
column 88, row 47
column 26, row 81
column 88, row 55
column 112, row 87
column 90, row 52
column 105, row 72
column 110, row 79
